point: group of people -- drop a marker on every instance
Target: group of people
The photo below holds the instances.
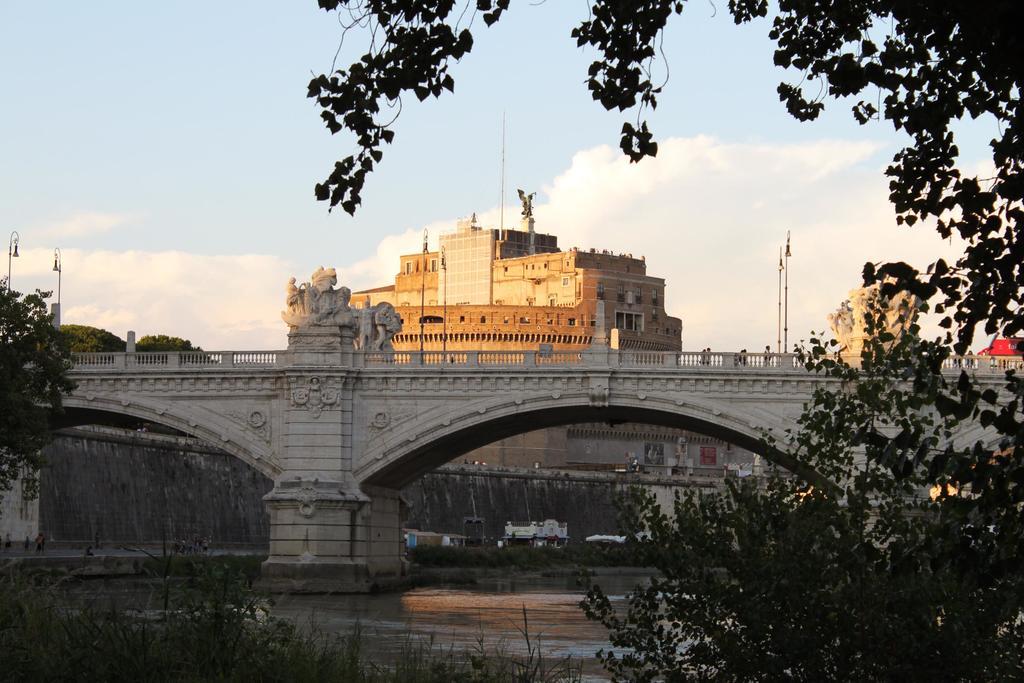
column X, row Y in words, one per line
column 766, row 359
column 197, row 546
column 40, row 542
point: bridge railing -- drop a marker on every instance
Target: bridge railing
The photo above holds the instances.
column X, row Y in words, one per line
column 693, row 360
column 617, row 358
column 163, row 360
column 975, row 363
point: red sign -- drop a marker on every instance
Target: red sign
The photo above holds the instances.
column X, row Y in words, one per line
column 708, row 455
column 1011, row 346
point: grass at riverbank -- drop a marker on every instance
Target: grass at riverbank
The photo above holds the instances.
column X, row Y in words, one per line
column 214, row 628
column 521, row 557
column 184, row 566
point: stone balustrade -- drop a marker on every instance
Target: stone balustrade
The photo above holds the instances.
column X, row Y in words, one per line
column 167, row 360
column 712, row 361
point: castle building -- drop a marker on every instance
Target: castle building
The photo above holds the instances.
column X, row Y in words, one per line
column 509, row 290
column 495, row 290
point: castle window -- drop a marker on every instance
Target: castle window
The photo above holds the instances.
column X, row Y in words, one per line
column 654, row 297
column 572, row 322
column 565, row 282
column 600, row 290
column 433, row 265
column 408, row 267
column 462, row 318
column 625, row 320
column 483, row 319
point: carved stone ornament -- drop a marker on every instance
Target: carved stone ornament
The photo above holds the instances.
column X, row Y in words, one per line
column 315, row 397
column 306, row 499
column 254, row 419
column 383, row 419
column 376, row 326
column 307, row 339
column 317, row 302
column 849, row 321
column 599, row 395
column 313, row 308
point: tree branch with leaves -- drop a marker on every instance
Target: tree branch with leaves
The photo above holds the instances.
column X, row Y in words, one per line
column 34, row 362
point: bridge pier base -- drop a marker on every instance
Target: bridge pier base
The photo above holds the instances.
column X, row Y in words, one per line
column 329, row 537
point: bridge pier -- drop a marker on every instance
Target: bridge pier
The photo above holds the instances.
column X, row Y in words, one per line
column 327, row 535
column 326, row 538
column 314, row 539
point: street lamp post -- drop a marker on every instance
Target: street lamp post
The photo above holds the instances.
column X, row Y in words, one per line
column 785, row 320
column 423, row 290
column 444, row 297
column 12, row 252
column 58, row 267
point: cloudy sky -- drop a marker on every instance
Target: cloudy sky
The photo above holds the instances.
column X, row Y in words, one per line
column 170, row 153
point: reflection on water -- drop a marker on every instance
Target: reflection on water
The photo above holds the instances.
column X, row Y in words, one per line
column 489, row 614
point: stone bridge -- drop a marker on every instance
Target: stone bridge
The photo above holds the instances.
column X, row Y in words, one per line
column 340, row 429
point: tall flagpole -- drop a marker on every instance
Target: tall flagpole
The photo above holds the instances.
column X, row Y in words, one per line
column 785, row 319
column 444, row 333
column 778, row 339
column 423, row 289
column 502, row 218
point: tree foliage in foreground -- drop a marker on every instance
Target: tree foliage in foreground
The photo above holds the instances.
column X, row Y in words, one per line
column 872, row 579
column 892, row 577
column 88, row 339
column 923, row 66
column 33, row 377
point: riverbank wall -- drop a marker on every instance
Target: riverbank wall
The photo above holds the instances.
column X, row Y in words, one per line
column 117, row 487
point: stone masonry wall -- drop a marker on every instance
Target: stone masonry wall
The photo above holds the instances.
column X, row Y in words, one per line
column 129, row 487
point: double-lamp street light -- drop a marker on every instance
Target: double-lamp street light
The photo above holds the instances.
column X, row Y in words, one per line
column 58, row 267
column 782, row 341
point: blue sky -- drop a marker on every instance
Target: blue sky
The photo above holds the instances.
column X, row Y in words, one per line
column 170, row 152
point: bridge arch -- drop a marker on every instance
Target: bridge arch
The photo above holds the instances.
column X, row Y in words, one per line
column 192, row 420
column 413, row 448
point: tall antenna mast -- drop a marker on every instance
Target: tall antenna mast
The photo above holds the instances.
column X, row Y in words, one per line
column 502, row 219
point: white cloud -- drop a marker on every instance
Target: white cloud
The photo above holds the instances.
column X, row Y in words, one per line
column 84, row 223
column 219, row 302
column 380, row 268
column 708, row 216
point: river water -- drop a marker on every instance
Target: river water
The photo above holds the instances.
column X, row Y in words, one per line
column 488, row 614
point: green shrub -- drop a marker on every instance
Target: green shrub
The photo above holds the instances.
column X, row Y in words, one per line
column 520, row 556
column 212, row 627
